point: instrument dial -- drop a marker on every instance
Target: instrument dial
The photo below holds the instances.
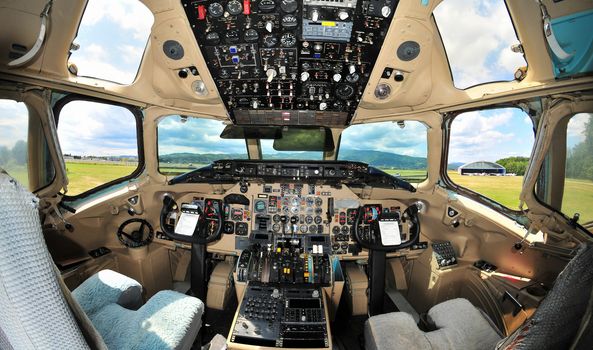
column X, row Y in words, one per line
column 276, row 218
column 318, row 202
column 232, row 36
column 344, row 91
column 260, row 206
column 251, row 35
column 213, row 38
column 303, row 228
column 312, row 228
column 276, row 227
column 215, row 9
column 267, row 5
column 270, row 40
column 309, row 219
column 318, row 220
column 289, row 6
column 289, row 21
column 288, row 40
column 234, row 7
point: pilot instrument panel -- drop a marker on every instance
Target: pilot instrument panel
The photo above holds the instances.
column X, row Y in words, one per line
column 289, row 62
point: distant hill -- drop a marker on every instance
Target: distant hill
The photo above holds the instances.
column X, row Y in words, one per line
column 454, row 166
column 376, row 158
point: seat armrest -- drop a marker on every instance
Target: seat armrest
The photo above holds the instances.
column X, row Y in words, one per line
column 108, row 287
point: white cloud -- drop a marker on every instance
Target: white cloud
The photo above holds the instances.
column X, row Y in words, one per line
column 89, row 128
column 128, row 15
column 479, row 136
column 576, row 127
column 14, row 122
column 477, row 35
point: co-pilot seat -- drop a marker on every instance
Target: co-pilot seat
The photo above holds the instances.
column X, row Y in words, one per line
column 105, row 312
column 559, row 321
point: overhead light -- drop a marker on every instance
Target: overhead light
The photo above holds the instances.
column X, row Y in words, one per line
column 199, row 88
column 382, row 91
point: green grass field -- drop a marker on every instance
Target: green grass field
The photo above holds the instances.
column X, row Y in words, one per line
column 84, row 176
column 503, row 189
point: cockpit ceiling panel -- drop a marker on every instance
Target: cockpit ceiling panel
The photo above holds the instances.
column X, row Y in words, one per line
column 290, row 61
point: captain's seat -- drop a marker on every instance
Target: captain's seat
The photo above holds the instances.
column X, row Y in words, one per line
column 37, row 311
column 562, row 321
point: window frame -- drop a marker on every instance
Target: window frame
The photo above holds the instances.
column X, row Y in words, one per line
column 564, row 121
column 448, row 119
column 138, row 118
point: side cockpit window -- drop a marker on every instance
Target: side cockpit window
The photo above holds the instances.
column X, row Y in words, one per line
column 101, row 144
column 489, row 152
column 24, row 152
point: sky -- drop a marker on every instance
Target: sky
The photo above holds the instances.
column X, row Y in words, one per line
column 113, row 36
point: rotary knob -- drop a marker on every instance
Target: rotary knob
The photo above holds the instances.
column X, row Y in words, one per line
column 343, row 15
column 271, row 74
column 314, row 15
column 337, row 77
column 276, row 293
column 305, row 76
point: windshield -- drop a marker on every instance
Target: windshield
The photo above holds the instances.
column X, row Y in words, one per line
column 187, row 143
column 398, row 148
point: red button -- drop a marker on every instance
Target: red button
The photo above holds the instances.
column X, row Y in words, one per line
column 246, row 7
column 201, row 12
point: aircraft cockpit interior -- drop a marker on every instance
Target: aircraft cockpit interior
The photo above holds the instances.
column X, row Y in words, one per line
column 303, row 174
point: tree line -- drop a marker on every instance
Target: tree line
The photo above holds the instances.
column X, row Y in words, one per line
column 579, row 160
column 16, row 155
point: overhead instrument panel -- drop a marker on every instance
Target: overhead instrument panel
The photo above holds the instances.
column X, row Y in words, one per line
column 289, row 62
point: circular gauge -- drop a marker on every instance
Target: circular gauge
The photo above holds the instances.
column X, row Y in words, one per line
column 276, row 218
column 228, row 227
column 336, row 230
column 260, row 206
column 344, row 91
column 344, row 246
column 318, row 220
column 303, row 228
column 312, row 229
column 276, row 227
column 251, row 35
column 318, row 211
column 294, row 210
column 352, row 78
column 234, row 7
column 309, row 219
column 289, row 21
column 318, row 201
column 288, row 40
column 289, row 6
column 294, row 201
column 232, row 36
column 285, row 209
column 212, row 38
column 267, row 5
column 345, row 230
column 215, row 9
column 270, row 40
column 310, row 201
column 294, row 219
